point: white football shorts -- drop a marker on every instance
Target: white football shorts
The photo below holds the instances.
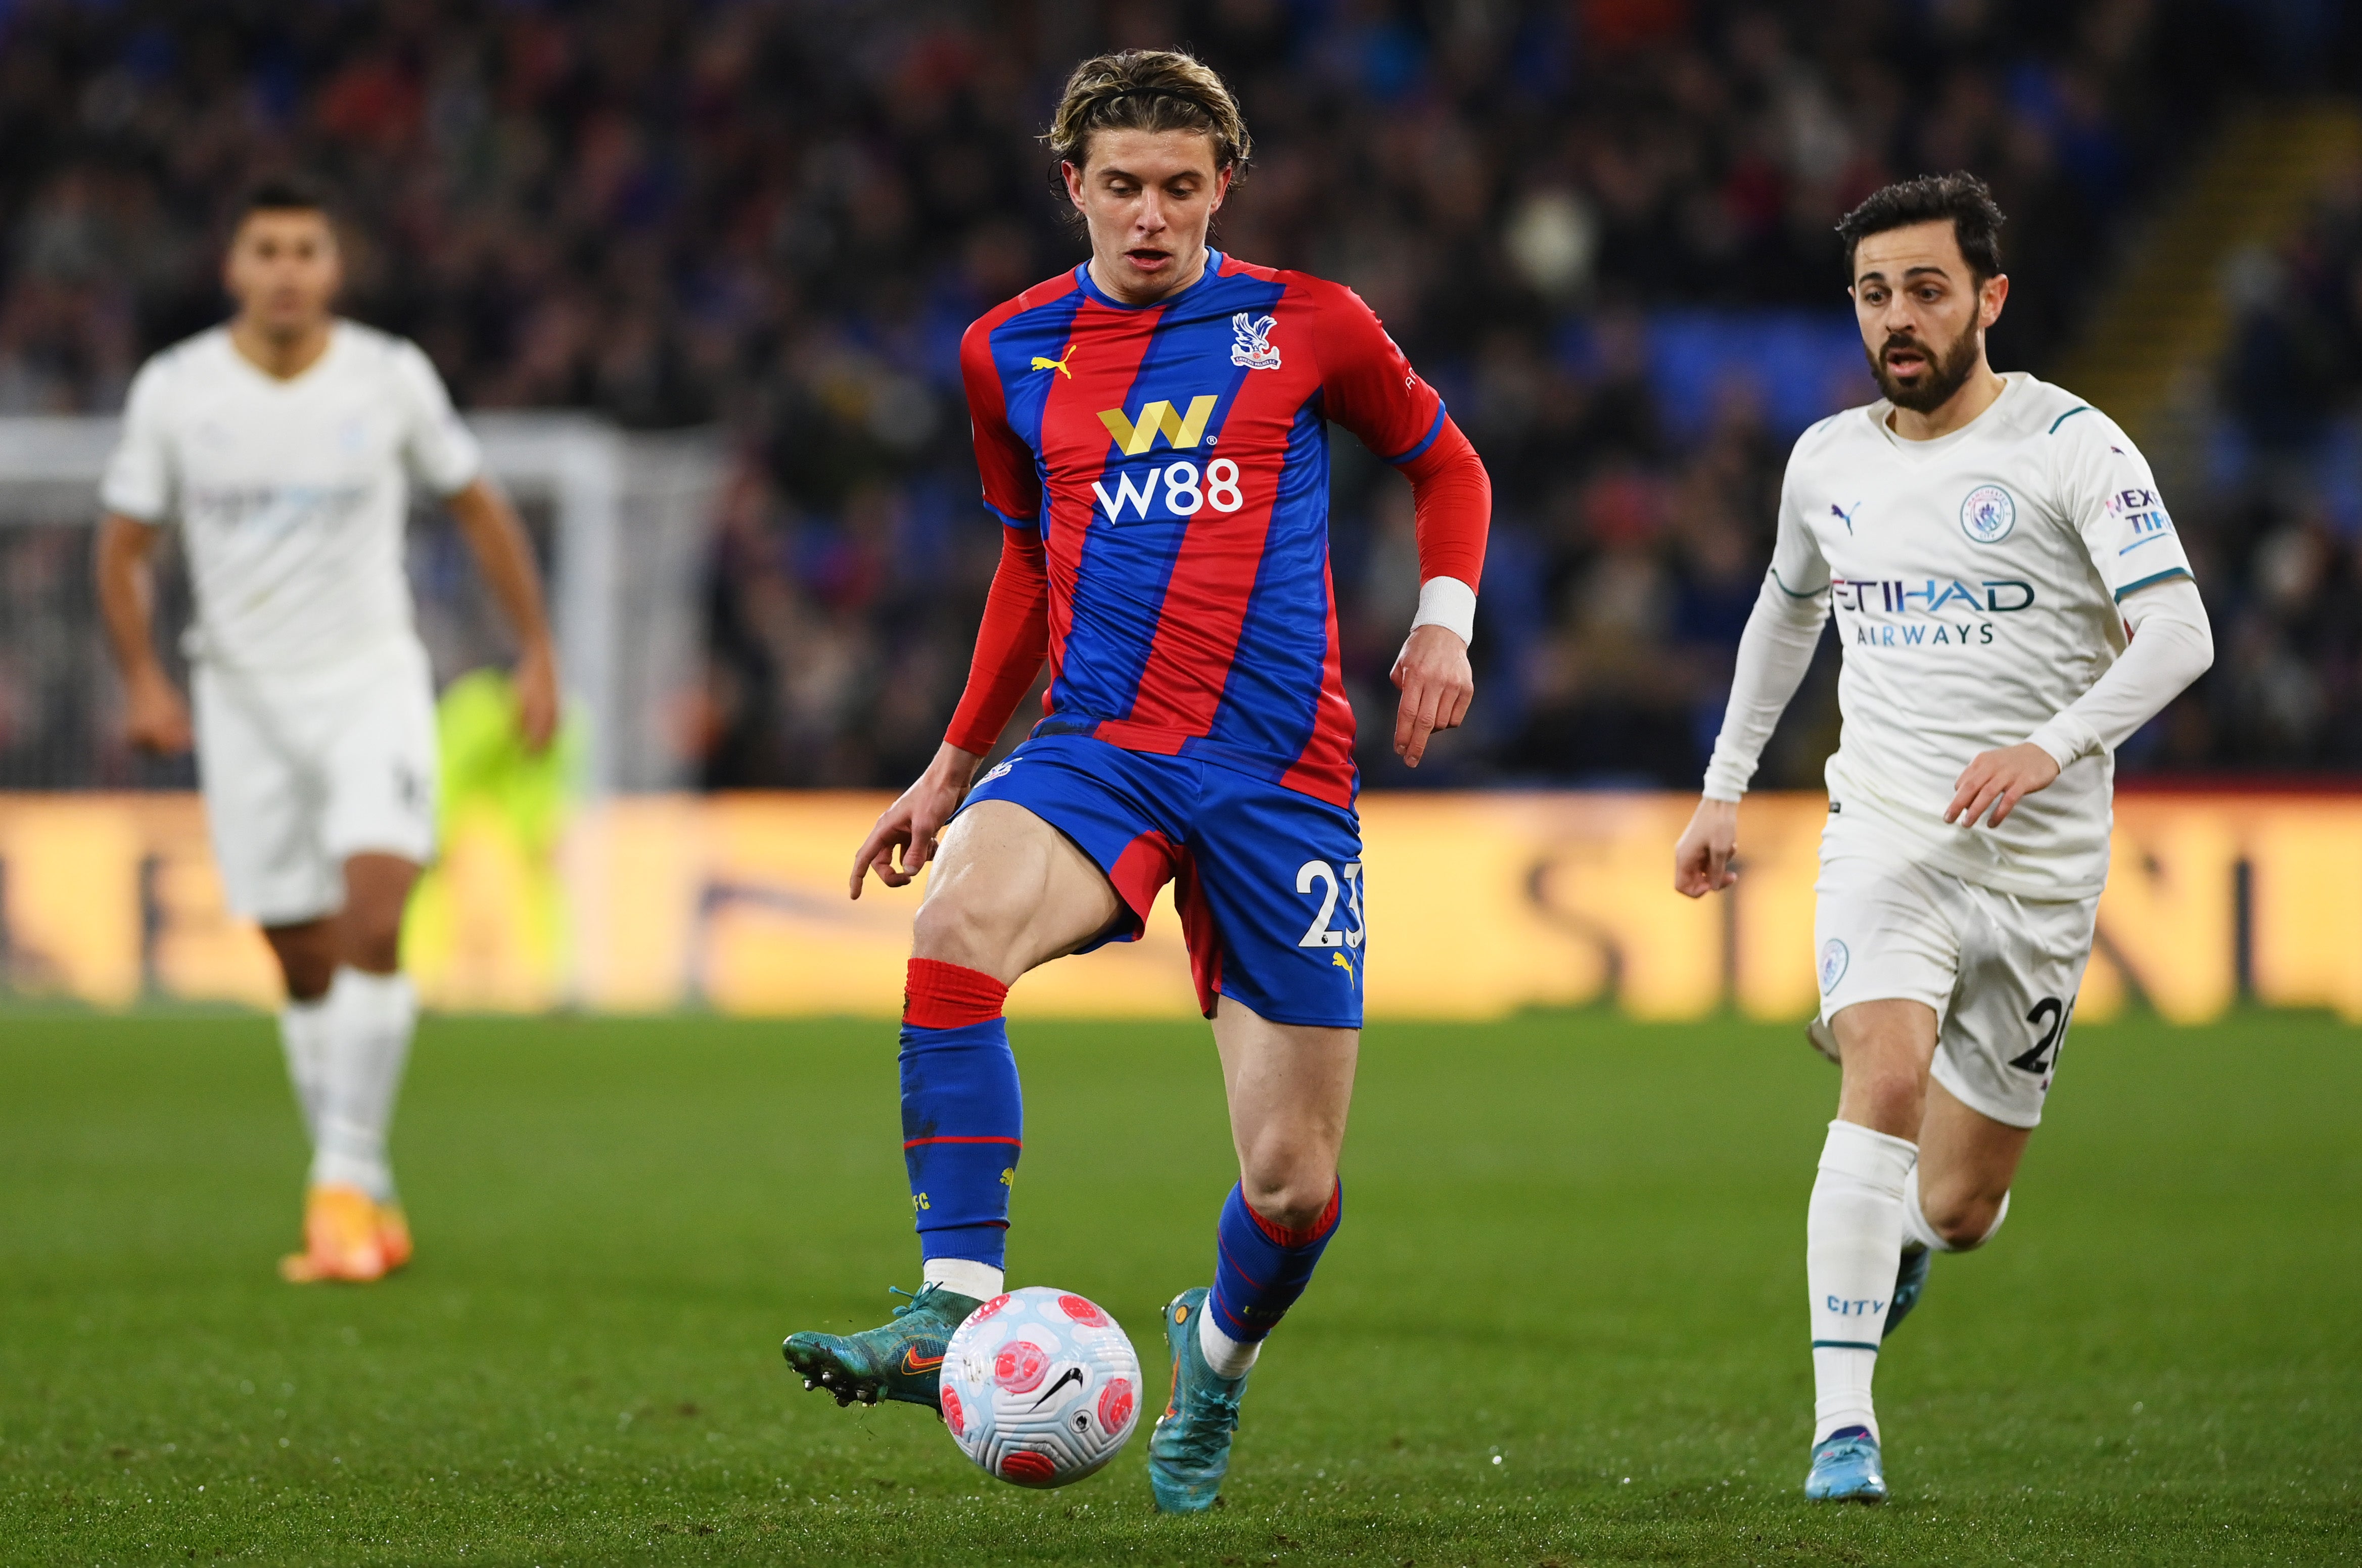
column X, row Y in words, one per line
column 2001, row 971
column 303, row 770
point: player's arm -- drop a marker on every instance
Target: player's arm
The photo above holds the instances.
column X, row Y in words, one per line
column 504, row 555
column 1775, row 651
column 136, row 494
column 2131, row 539
column 1372, row 390
column 1454, row 498
column 443, row 455
column 156, row 719
column 1010, row 644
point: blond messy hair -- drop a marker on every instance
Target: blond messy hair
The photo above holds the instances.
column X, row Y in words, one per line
column 1148, row 90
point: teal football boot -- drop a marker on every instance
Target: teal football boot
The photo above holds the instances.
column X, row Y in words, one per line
column 1189, row 1451
column 1910, row 1282
column 900, row 1359
column 1847, row 1469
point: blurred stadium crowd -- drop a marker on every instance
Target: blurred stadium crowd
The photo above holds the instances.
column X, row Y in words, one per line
column 1602, row 226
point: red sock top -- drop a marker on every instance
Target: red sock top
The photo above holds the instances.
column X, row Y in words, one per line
column 1282, row 1236
column 938, row 995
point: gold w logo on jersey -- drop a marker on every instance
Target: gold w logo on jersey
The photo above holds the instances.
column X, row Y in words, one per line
column 1042, row 362
column 1136, row 436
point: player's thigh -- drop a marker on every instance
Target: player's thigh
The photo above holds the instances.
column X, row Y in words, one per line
column 1059, row 849
column 379, row 760
column 1007, row 890
column 265, row 807
column 1290, row 1089
column 2022, row 964
column 1273, row 901
column 1967, row 1160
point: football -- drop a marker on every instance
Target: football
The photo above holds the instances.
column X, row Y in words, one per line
column 1041, row 1386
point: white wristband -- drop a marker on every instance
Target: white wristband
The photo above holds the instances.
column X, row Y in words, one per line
column 1449, row 603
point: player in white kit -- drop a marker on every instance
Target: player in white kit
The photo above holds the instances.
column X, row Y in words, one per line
column 2012, row 603
column 283, row 445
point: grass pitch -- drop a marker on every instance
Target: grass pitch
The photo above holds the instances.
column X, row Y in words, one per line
column 1563, row 1323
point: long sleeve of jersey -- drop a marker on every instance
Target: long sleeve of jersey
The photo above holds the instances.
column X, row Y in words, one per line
column 2171, row 646
column 1453, row 496
column 1373, row 392
column 1010, row 645
column 1773, row 655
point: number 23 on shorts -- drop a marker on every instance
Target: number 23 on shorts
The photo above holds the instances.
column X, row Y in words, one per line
column 1322, row 932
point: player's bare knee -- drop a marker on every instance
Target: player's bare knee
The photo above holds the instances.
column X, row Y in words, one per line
column 1289, row 1191
column 307, row 975
column 374, row 939
column 963, row 925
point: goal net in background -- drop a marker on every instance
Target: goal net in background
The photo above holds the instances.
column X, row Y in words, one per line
column 619, row 521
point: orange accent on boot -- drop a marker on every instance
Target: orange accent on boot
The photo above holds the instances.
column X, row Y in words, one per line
column 393, row 1235
column 340, row 1239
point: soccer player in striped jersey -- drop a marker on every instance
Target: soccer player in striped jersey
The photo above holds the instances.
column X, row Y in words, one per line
column 2013, row 602
column 1152, row 432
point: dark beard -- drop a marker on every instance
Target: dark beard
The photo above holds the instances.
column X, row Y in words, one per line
column 1947, row 373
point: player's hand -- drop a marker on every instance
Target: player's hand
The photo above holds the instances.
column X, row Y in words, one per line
column 1702, row 858
column 912, row 823
column 156, row 719
column 2000, row 780
column 537, row 698
column 1437, row 686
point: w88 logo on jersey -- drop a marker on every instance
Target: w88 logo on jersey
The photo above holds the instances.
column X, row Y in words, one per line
column 1178, row 489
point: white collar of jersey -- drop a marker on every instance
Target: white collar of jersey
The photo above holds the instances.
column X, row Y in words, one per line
column 1882, row 412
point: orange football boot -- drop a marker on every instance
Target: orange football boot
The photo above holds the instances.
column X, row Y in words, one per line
column 341, row 1239
column 393, row 1235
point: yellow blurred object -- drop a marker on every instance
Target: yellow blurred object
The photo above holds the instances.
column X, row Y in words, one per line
column 486, row 925
column 1480, row 906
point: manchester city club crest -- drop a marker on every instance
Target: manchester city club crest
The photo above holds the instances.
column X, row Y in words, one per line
column 1833, row 957
column 1988, row 514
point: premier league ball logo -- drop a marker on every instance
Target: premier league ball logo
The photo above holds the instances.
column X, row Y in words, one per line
column 1988, row 514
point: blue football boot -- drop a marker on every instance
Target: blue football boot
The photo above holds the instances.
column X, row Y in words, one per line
column 1910, row 1282
column 901, row 1360
column 1846, row 1468
column 1189, row 1451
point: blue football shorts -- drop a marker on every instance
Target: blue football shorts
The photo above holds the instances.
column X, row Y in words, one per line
column 1268, row 879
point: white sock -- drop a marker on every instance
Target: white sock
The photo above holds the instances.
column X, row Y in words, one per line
column 303, row 1036
column 964, row 1276
column 1853, row 1244
column 371, row 1018
column 1227, row 1356
column 1917, row 1232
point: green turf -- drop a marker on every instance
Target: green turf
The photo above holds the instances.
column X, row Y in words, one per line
column 1573, row 1245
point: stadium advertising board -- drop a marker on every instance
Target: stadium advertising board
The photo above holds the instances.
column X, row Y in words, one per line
column 1480, row 906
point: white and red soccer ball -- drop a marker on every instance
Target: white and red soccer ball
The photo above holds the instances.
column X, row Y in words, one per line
column 1040, row 1386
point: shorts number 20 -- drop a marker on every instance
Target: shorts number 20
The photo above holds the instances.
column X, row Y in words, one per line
column 1321, row 874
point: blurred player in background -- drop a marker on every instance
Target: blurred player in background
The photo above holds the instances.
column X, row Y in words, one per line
column 1152, row 432
column 2012, row 603
column 282, row 443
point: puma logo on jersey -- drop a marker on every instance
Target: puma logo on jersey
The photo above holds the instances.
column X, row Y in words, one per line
column 1059, row 364
column 1136, row 436
column 1342, row 962
column 1251, row 345
column 1844, row 515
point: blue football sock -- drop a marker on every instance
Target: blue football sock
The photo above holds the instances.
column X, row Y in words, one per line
column 962, row 1118
column 1261, row 1268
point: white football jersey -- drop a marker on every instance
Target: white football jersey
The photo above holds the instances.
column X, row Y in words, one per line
column 291, row 495
column 1975, row 580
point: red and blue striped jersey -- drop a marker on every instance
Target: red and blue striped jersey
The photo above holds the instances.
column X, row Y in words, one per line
column 1174, row 458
